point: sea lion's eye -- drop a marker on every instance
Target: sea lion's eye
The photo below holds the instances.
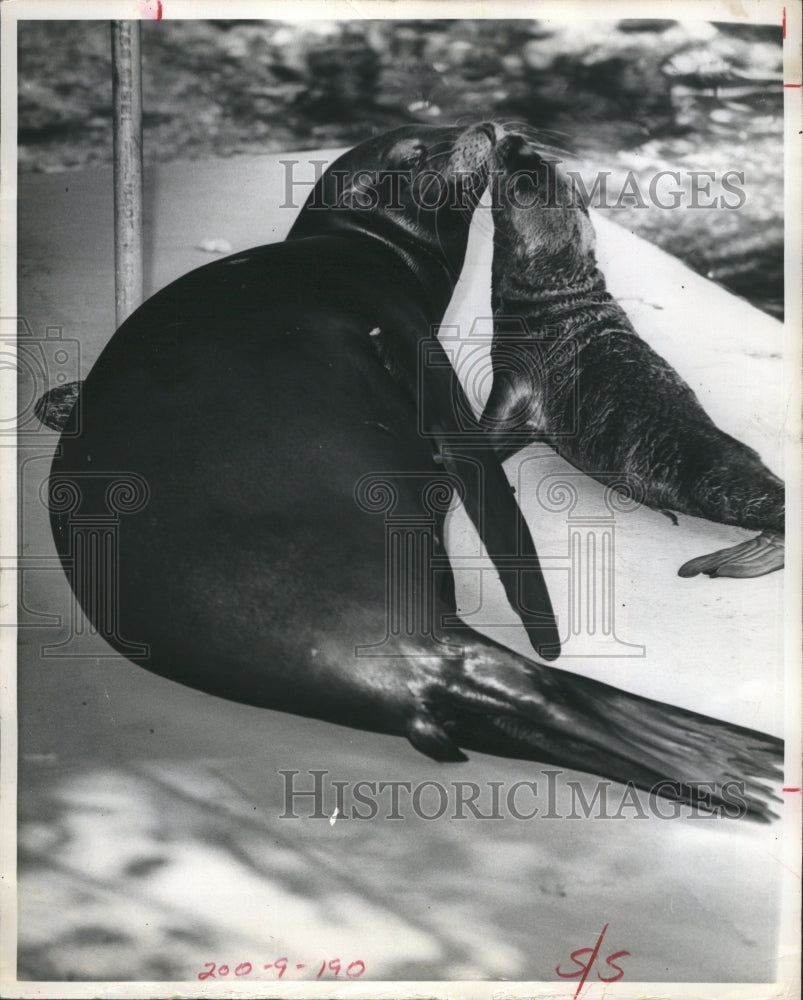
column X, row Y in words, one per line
column 407, row 154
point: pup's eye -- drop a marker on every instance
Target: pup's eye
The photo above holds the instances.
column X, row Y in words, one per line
column 408, row 154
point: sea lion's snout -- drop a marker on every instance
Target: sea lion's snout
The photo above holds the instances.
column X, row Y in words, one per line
column 476, row 142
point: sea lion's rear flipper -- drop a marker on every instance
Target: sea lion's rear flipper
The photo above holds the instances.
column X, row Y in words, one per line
column 430, row 739
column 489, row 501
column 759, row 556
column 500, row 703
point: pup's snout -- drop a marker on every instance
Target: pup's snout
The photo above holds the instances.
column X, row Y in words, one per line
column 510, row 144
column 514, row 146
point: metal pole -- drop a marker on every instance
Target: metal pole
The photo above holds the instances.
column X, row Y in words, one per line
column 127, row 95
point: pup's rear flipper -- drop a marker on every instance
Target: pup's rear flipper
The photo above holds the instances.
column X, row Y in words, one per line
column 54, row 408
column 760, row 555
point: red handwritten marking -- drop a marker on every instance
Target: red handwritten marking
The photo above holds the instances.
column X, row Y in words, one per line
column 793, row 85
column 791, row 789
column 354, row 970
column 783, row 865
column 150, row 10
column 584, row 970
column 333, row 966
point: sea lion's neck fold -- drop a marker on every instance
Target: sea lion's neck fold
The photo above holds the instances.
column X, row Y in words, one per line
column 433, row 274
column 431, row 271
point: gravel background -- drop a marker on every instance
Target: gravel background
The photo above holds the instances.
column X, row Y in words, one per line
column 632, row 95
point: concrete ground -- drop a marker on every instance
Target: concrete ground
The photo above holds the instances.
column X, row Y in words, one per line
column 150, row 837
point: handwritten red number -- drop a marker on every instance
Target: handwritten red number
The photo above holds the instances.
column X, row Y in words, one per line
column 584, row 968
column 358, row 972
column 357, row 967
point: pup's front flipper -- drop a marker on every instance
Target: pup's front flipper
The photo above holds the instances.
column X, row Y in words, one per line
column 760, row 555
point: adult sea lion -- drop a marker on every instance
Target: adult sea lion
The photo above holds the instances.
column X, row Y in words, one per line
column 280, row 530
column 570, row 369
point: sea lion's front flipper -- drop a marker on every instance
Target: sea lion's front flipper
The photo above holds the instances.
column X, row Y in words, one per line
column 489, row 501
column 491, row 504
column 514, row 414
column 759, row 556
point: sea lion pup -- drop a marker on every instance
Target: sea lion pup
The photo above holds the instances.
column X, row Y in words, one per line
column 570, row 369
column 278, row 537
